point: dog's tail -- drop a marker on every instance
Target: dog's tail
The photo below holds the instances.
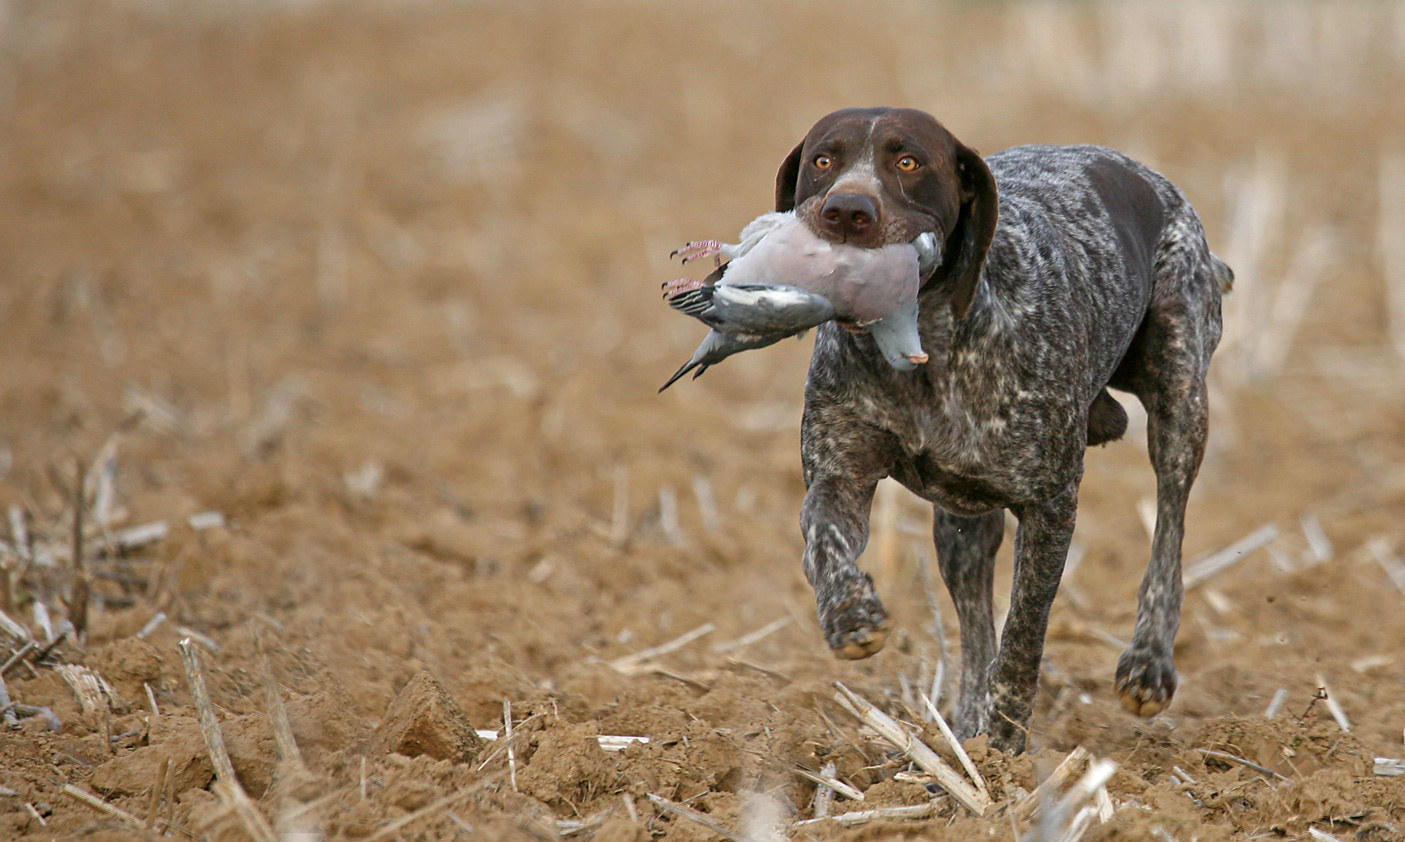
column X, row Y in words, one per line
column 1224, row 276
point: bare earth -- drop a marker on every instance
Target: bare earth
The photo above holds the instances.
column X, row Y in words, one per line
column 378, row 284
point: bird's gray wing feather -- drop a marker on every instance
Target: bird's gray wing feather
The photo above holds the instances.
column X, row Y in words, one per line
column 767, row 309
column 747, row 316
column 754, row 308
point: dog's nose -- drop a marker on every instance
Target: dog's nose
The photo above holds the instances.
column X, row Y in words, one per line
column 849, row 214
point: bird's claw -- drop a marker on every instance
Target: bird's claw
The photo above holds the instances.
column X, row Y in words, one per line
column 673, row 289
column 697, row 248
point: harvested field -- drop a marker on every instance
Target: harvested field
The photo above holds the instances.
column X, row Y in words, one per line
column 337, row 324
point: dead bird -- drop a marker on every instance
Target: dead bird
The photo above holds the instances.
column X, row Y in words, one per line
column 782, row 279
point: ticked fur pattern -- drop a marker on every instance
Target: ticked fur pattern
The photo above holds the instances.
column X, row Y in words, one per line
column 1096, row 274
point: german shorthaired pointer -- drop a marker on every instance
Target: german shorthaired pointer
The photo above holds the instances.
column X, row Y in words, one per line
column 1065, row 270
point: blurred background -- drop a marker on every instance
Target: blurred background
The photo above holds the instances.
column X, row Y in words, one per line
column 379, row 283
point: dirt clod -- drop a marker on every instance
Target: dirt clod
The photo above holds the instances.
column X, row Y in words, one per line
column 425, row 720
column 569, row 770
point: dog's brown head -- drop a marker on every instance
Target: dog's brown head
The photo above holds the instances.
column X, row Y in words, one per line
column 874, row 176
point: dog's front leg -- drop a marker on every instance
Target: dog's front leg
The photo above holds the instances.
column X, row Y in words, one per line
column 966, row 548
column 1041, row 548
column 843, row 460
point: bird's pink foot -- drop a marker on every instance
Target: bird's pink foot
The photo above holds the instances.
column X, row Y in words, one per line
column 696, row 249
column 673, row 289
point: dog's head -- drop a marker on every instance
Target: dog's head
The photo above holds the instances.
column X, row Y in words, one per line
column 874, row 176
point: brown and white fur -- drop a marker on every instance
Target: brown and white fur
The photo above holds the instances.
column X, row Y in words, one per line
column 1065, row 270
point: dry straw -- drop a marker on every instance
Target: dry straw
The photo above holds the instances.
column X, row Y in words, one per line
column 1211, row 566
column 86, row 798
column 967, row 795
column 1391, row 243
column 636, row 664
column 227, row 785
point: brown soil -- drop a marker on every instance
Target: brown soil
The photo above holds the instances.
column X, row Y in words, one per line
column 379, row 285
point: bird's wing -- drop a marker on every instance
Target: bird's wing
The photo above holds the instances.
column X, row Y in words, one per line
column 767, row 309
column 760, row 309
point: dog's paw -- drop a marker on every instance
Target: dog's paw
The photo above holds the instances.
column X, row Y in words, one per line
column 857, row 625
column 860, row 642
column 1146, row 680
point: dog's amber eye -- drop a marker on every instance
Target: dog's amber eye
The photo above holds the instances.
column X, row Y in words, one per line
column 823, row 162
column 907, row 163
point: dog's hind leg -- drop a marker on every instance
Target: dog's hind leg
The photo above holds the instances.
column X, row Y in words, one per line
column 1167, row 372
column 1177, row 423
column 966, row 548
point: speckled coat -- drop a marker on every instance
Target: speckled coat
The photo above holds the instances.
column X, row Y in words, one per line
column 1066, row 270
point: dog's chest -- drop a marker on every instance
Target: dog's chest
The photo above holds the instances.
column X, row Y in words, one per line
column 975, row 438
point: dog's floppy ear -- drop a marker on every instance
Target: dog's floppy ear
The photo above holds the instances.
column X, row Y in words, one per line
column 966, row 245
column 787, row 178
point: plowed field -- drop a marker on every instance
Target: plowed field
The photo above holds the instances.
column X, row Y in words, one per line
column 359, row 301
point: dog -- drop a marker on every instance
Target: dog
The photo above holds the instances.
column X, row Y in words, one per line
column 1065, row 270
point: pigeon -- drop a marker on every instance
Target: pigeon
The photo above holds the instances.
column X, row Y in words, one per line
column 781, row 280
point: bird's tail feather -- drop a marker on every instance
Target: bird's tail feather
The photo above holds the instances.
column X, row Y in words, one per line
column 687, row 367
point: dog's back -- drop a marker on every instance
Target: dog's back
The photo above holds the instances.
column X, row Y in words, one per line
column 1088, row 238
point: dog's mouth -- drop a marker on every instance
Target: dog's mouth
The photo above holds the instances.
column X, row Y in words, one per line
column 890, row 229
